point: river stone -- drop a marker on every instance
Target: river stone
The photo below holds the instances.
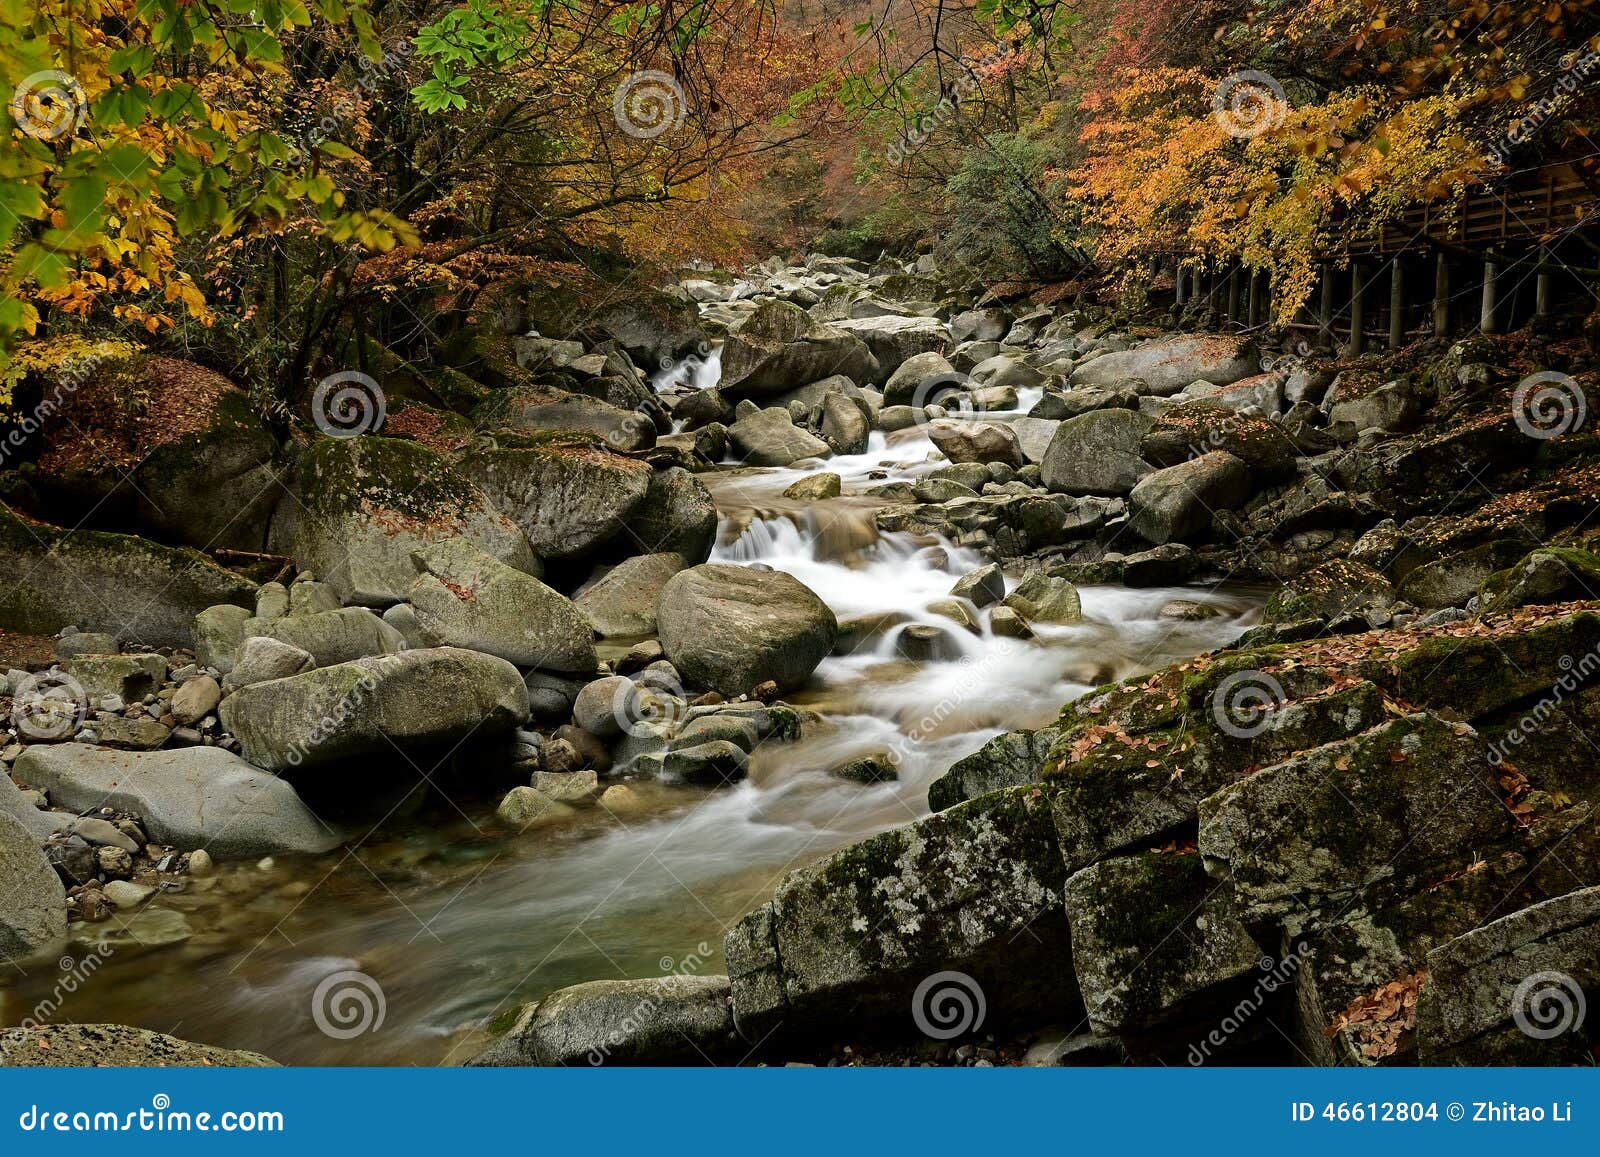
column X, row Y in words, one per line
column 113, row 1046
column 261, row 658
column 623, row 600
column 366, row 503
column 374, row 706
column 1034, row 435
column 1011, row 759
column 1179, row 502
column 196, row 699
column 218, row 632
column 1168, row 365
column 846, row 424
column 731, row 628
column 1294, row 845
column 677, row 516
column 815, row 488
column 1536, row 964
column 770, row 438
column 921, row 379
column 309, row 597
column 33, row 904
column 136, row 734
column 976, row 889
column 977, row 442
column 1154, row 939
column 1451, row 581
column 1096, row 453
column 126, row 677
column 666, row 1020
column 596, row 708
column 1041, row 598
column 464, row 598
column 188, row 797
column 331, row 637
column 1547, row 575
column 780, row 347
column 69, row 647
column 137, row 590
column 568, row 497
column 526, row 807
column 984, row 586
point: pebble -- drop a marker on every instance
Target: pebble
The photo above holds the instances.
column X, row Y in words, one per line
column 126, row 894
column 200, row 863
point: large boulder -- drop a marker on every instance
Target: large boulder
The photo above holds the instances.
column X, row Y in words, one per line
column 1035, row 436
column 1170, row 364
column 364, row 504
column 465, row 598
column 1179, row 502
column 1096, row 453
column 973, row 895
column 1513, row 991
column 770, row 438
column 666, row 1020
column 33, row 904
column 568, row 497
column 1193, row 428
column 383, row 705
column 677, row 516
column 1295, row 848
column 780, row 347
column 977, row 442
column 894, row 340
column 623, row 600
column 114, row 1046
column 921, row 379
column 731, row 628
column 846, row 424
column 189, row 797
column 135, row 589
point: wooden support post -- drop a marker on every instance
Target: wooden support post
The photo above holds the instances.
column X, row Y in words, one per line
column 1233, row 296
column 1213, row 292
column 1254, row 310
column 1488, row 320
column 1441, row 295
column 1178, row 275
column 1397, row 303
column 1325, row 308
column 1358, row 311
column 1542, row 285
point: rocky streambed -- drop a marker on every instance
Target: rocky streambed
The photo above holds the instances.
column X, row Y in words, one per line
column 883, row 666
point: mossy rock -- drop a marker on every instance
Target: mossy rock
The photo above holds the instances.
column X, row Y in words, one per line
column 364, row 504
column 1331, row 590
column 130, row 587
column 1551, row 574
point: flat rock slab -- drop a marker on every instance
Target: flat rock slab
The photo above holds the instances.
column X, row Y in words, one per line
column 58, row 1046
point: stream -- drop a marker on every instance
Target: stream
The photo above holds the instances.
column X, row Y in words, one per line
column 457, row 923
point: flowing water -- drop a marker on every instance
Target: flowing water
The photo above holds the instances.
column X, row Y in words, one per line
column 456, row 922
